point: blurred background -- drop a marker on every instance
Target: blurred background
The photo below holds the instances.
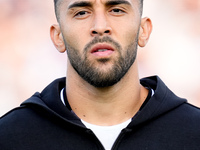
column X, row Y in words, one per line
column 29, row 60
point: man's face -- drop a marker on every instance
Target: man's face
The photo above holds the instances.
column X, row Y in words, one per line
column 100, row 37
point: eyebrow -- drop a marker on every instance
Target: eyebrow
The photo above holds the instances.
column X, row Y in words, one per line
column 117, row 2
column 89, row 4
column 80, row 4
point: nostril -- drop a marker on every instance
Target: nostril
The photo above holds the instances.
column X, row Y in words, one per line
column 94, row 32
column 107, row 31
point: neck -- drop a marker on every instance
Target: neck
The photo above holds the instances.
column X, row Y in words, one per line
column 105, row 106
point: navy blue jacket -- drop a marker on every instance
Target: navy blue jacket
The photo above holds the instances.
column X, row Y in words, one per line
column 166, row 122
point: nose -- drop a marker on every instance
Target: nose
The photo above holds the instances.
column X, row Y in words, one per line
column 100, row 25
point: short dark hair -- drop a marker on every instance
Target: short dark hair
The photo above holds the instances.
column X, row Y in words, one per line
column 57, row 15
column 56, row 9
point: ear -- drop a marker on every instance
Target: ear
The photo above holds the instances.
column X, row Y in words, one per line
column 57, row 38
column 145, row 31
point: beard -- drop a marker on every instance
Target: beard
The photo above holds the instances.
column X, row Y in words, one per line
column 96, row 76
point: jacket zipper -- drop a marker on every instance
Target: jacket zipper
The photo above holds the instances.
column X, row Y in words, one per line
column 99, row 145
column 119, row 138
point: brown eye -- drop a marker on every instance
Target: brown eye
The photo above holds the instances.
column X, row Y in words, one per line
column 117, row 12
column 82, row 14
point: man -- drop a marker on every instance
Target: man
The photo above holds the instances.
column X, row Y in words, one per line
column 101, row 104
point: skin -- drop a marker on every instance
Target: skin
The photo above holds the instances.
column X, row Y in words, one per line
column 109, row 105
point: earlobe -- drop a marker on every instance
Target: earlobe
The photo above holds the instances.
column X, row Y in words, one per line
column 145, row 31
column 57, row 38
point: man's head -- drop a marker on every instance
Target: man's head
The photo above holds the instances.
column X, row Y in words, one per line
column 56, row 4
column 100, row 37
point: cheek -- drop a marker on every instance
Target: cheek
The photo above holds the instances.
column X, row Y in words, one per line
column 132, row 28
column 127, row 31
column 76, row 37
column 129, row 36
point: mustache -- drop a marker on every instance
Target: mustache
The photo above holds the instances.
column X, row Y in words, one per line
column 105, row 39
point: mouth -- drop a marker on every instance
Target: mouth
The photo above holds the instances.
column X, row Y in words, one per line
column 102, row 50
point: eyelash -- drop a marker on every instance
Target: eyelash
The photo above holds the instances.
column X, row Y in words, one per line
column 118, row 10
column 80, row 13
column 83, row 13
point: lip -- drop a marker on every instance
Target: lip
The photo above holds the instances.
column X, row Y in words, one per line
column 101, row 47
column 102, row 50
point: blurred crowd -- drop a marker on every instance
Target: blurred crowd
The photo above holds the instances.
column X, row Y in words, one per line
column 29, row 61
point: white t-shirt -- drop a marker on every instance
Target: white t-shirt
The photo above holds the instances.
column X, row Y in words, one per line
column 107, row 134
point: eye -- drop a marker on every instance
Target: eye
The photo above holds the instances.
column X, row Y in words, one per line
column 82, row 14
column 117, row 11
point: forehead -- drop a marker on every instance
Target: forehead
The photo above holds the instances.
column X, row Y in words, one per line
column 68, row 3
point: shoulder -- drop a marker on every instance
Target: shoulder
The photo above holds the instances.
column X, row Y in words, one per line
column 190, row 111
column 15, row 118
column 185, row 117
column 15, row 122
